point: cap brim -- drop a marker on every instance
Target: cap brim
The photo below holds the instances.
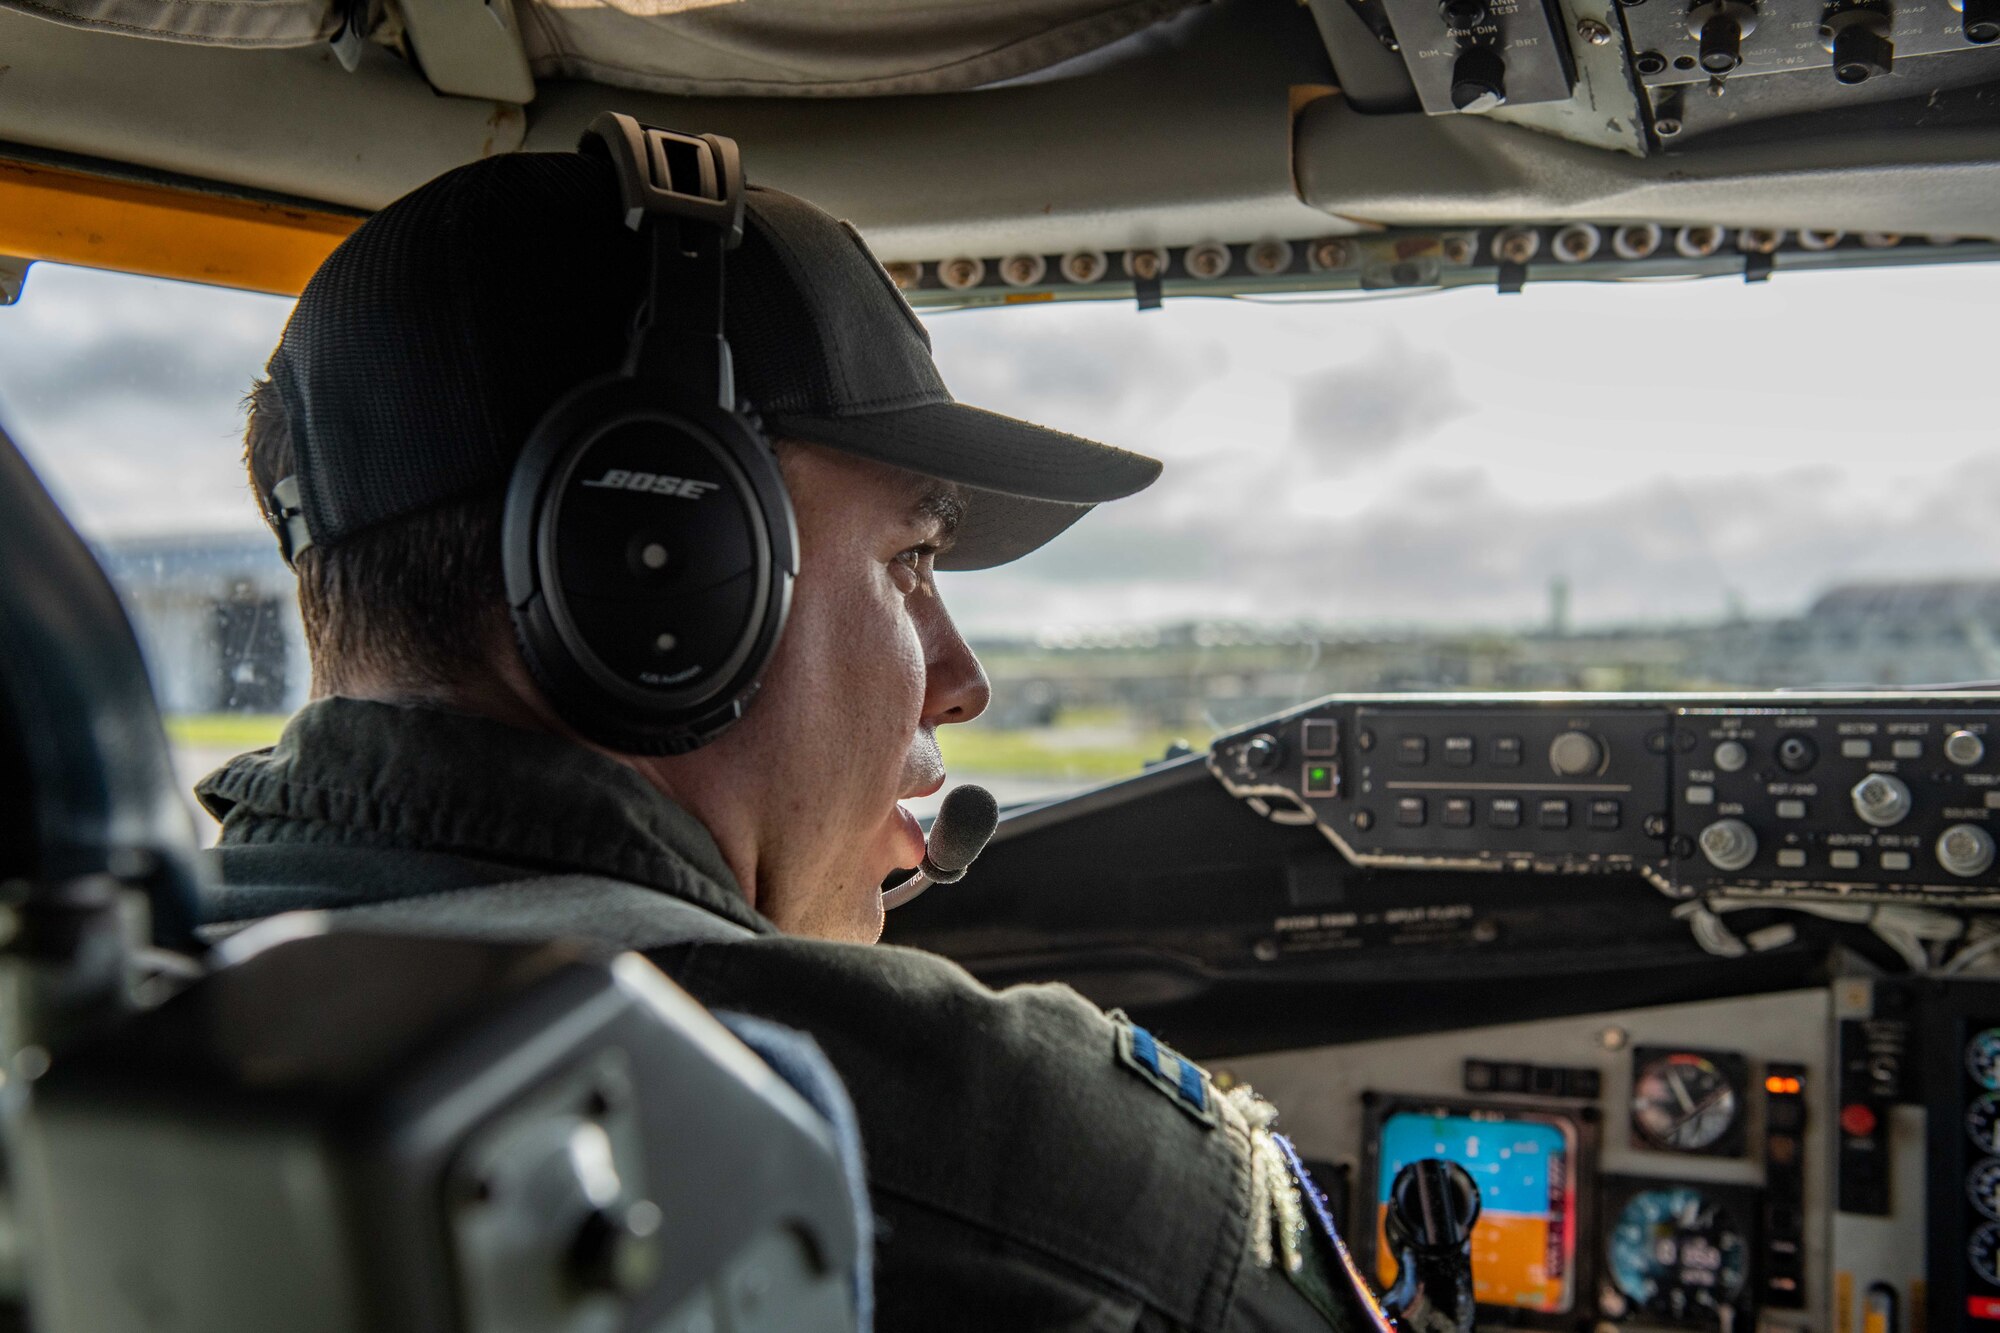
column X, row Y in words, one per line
column 1024, row 483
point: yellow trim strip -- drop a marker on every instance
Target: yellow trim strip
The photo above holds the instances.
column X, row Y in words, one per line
column 68, row 217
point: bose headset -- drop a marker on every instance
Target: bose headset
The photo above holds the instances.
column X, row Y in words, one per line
column 648, row 539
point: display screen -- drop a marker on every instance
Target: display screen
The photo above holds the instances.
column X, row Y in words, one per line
column 1524, row 1245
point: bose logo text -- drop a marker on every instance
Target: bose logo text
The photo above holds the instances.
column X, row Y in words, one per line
column 654, row 483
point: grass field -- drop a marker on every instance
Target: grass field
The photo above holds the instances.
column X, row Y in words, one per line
column 1086, row 750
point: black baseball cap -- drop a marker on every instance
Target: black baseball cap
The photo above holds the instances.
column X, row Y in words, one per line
column 427, row 346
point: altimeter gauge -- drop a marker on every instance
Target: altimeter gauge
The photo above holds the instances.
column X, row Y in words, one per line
column 1982, row 1123
column 1982, row 1059
column 1982, row 1186
column 1688, row 1101
column 1678, row 1252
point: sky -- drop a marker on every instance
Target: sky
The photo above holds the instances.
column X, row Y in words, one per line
column 1666, row 448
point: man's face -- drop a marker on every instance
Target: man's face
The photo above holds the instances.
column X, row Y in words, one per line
column 802, row 794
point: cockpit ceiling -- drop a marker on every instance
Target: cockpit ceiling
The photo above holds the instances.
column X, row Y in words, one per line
column 984, row 130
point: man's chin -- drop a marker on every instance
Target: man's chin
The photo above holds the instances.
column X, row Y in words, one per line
column 849, row 916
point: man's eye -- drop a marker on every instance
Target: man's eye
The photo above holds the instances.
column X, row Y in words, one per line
column 919, row 561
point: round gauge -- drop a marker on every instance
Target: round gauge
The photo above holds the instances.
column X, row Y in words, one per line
column 1982, row 1185
column 1982, row 1059
column 1677, row 1254
column 1683, row 1102
column 1984, row 1251
column 1982, row 1122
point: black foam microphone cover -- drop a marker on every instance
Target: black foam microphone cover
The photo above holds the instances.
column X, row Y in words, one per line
column 965, row 820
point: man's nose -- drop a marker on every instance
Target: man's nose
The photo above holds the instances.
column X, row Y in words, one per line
column 955, row 685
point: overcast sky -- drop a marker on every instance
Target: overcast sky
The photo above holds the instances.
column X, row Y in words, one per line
column 1663, row 447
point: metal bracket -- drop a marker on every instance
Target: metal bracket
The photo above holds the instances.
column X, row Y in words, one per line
column 470, row 48
column 13, row 278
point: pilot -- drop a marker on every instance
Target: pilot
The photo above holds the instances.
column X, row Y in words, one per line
column 1033, row 1162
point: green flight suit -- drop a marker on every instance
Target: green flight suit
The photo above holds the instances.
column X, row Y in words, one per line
column 1027, row 1171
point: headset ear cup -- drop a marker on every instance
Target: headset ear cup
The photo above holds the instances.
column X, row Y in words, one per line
column 649, row 553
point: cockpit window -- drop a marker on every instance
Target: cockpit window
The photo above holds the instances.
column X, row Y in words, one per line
column 1679, row 485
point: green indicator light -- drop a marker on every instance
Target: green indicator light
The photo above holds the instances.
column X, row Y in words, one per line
column 1319, row 773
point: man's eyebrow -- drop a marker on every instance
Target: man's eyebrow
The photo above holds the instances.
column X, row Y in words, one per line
column 940, row 503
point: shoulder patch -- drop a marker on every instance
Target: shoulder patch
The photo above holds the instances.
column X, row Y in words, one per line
column 1183, row 1082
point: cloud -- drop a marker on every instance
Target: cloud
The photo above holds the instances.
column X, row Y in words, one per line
column 1363, row 411
column 1447, row 546
column 1066, row 368
column 124, row 394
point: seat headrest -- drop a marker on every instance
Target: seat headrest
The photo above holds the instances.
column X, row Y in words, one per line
column 80, row 735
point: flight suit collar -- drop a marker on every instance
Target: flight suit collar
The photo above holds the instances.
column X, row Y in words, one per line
column 361, row 773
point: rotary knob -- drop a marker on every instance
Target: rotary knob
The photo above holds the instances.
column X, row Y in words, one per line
column 1730, row 756
column 1859, row 38
column 1478, row 79
column 1576, row 754
column 1729, row 844
column 1721, row 44
column 1965, row 850
column 1979, row 20
column 1259, row 754
column 1881, row 800
column 1964, row 748
column 1720, row 27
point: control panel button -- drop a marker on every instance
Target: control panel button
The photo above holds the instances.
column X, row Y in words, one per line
column 1730, row 756
column 1796, row 754
column 1993, row 800
column 1321, row 779
column 1576, row 754
column 1606, row 814
column 1412, row 751
column 1457, row 812
column 1504, row 812
column 1792, row 858
column 1857, row 747
column 1963, row 748
column 1791, row 809
column 1844, row 859
column 1965, row 850
column 1729, row 844
column 1410, row 812
column 1458, row 751
column 1701, row 794
column 1553, row 814
column 1881, row 800
column 1319, row 736
column 1907, row 749
column 1895, row 860
column 1506, row 752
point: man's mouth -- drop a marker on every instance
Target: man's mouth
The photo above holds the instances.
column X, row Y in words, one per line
column 908, row 838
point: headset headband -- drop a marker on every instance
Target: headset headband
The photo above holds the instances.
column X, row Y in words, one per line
column 667, row 179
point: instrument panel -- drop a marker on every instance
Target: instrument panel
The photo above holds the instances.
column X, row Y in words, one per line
column 1593, row 1217
column 1851, row 798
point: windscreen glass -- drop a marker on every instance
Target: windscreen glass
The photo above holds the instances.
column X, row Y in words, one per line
column 1667, row 486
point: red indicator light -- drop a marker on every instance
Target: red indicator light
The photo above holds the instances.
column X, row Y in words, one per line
column 1983, row 1307
column 1857, row 1120
column 1779, row 1085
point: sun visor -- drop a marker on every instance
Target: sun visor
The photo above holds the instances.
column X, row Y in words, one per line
column 819, row 48
column 251, row 24
column 698, row 48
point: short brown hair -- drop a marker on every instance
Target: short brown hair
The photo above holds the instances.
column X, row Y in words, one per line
column 417, row 603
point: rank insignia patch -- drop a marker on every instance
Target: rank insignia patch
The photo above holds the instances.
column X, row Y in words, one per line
column 1179, row 1078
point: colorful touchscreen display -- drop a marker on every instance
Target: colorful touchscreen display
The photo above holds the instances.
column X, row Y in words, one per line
column 1524, row 1246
